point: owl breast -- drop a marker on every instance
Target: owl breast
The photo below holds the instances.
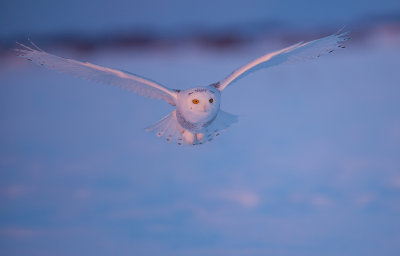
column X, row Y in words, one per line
column 194, row 126
column 198, row 107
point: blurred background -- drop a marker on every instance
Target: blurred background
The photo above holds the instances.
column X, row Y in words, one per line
column 311, row 168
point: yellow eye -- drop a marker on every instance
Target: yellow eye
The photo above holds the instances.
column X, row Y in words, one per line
column 195, row 101
column 211, row 100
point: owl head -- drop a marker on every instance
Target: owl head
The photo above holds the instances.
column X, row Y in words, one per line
column 199, row 104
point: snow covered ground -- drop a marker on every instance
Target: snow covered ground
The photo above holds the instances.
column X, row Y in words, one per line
column 312, row 167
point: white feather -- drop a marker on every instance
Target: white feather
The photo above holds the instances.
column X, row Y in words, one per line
column 298, row 52
column 122, row 79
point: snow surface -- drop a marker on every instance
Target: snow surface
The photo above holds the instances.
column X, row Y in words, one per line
column 311, row 168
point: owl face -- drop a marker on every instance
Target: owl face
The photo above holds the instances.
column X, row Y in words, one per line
column 199, row 104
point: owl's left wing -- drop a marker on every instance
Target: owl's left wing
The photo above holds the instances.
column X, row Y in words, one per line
column 297, row 52
column 139, row 85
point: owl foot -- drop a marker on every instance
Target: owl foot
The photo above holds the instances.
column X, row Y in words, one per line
column 188, row 137
column 199, row 137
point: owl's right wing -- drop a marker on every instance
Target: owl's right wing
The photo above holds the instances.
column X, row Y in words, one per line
column 297, row 52
column 122, row 79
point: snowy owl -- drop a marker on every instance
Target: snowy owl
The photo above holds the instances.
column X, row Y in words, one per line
column 197, row 118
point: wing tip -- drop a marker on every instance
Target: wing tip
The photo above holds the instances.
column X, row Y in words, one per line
column 23, row 50
column 343, row 37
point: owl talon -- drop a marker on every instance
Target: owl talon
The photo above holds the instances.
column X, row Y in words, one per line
column 188, row 137
column 199, row 137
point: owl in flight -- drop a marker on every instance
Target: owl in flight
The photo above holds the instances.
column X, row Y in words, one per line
column 197, row 118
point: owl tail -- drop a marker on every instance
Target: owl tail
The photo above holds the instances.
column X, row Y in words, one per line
column 219, row 125
column 169, row 128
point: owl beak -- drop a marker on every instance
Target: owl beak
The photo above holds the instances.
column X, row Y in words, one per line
column 205, row 108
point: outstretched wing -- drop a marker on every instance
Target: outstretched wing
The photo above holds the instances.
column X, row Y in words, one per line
column 125, row 80
column 297, row 52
